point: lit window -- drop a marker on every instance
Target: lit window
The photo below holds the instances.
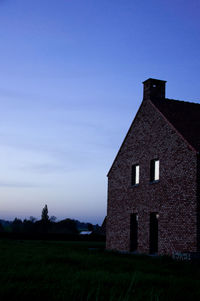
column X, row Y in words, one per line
column 154, row 170
column 135, row 176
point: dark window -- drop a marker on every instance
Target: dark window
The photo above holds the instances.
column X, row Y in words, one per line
column 154, row 170
column 133, row 232
column 153, row 233
column 135, row 174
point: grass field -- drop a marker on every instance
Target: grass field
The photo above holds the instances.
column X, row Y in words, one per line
column 47, row 270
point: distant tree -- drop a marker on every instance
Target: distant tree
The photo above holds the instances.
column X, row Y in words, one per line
column 28, row 226
column 53, row 219
column 45, row 216
column 17, row 225
column 67, row 226
column 1, row 228
column 44, row 224
column 32, row 219
column 97, row 227
column 90, row 227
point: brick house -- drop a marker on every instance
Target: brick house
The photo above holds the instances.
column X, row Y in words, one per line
column 153, row 183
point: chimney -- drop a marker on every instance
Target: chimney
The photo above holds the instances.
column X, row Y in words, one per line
column 154, row 88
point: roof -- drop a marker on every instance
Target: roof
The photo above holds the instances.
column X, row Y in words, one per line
column 184, row 116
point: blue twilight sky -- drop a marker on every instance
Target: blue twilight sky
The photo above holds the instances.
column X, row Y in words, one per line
column 70, row 85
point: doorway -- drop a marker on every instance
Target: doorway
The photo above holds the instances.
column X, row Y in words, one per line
column 153, row 241
column 133, row 232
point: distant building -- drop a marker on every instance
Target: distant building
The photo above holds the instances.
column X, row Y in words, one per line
column 154, row 181
column 85, row 232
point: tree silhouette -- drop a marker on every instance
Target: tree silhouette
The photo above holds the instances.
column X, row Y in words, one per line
column 1, row 228
column 53, row 219
column 32, row 219
column 45, row 216
column 90, row 227
column 17, row 225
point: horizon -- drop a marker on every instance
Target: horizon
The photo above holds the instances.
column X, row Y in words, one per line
column 70, row 85
column 39, row 219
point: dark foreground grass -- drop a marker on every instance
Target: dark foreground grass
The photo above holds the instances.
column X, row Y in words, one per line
column 36, row 270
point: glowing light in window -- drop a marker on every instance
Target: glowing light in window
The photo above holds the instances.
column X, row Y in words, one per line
column 137, row 174
column 156, row 174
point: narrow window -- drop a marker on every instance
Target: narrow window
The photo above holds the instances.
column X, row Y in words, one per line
column 153, row 233
column 133, row 232
column 157, row 170
column 154, row 170
column 135, row 175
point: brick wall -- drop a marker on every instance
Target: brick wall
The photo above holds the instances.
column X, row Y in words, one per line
column 173, row 197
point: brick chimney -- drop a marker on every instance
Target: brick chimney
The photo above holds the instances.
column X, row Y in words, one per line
column 154, row 88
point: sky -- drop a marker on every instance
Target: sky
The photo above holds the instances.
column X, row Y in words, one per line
column 71, row 74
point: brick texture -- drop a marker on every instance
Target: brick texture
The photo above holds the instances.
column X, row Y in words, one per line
column 174, row 197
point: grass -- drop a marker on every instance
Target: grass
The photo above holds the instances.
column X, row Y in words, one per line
column 47, row 270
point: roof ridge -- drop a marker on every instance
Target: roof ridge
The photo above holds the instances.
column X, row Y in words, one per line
column 189, row 102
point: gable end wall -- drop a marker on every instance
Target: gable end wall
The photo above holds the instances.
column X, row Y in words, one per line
column 173, row 197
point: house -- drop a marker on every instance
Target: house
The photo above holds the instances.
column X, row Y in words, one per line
column 154, row 181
